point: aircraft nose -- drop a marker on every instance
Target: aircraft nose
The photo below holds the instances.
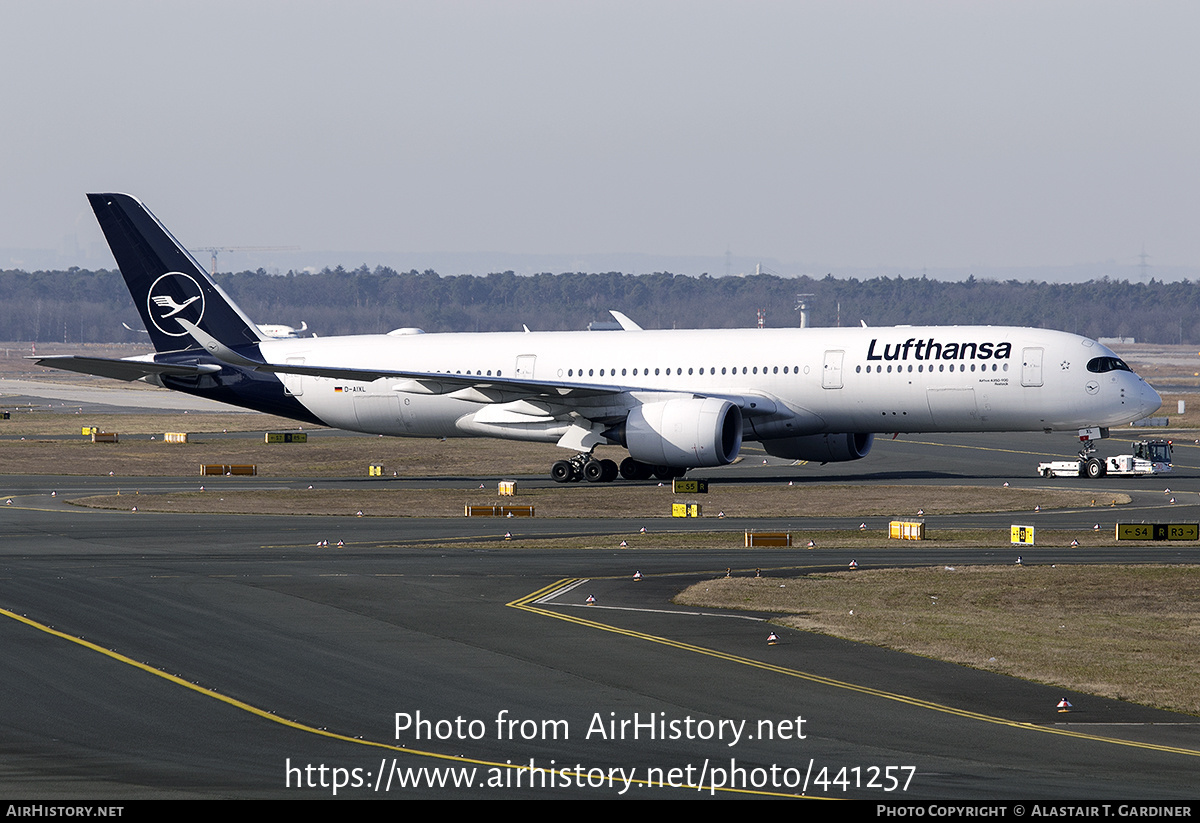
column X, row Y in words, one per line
column 1138, row 397
column 1149, row 399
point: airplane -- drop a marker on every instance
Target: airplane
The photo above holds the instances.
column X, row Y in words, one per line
column 275, row 330
column 674, row 399
column 281, row 332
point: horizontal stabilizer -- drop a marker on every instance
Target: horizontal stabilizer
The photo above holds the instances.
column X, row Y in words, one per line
column 121, row 369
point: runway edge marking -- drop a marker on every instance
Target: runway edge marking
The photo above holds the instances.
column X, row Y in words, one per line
column 524, row 604
column 301, row 727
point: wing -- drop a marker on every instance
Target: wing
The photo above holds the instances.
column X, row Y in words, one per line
column 553, row 397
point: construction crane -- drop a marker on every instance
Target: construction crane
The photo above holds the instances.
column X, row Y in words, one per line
column 214, row 250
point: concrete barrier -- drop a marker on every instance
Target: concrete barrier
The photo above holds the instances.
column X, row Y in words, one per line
column 907, row 530
column 244, row 470
column 499, row 511
column 685, row 509
column 755, row 539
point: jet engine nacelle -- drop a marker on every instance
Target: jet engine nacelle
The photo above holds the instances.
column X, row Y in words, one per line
column 686, row 433
column 823, row 448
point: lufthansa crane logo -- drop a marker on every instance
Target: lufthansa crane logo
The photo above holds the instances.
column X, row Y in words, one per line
column 175, row 295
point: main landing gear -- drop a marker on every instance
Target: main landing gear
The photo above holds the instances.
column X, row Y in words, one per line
column 585, row 467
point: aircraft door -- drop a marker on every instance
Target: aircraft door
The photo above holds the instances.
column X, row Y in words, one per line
column 525, row 364
column 378, row 413
column 831, row 374
column 951, row 408
column 293, row 384
column 1031, row 367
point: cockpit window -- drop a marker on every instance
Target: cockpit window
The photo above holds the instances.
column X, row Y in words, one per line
column 1103, row 364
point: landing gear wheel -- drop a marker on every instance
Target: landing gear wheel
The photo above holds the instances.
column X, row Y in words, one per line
column 610, row 471
column 1095, row 468
column 635, row 470
column 583, row 467
column 664, row 472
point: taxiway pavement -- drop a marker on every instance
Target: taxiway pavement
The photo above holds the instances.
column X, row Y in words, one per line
column 159, row 655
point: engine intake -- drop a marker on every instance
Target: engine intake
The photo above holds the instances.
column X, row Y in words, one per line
column 686, row 433
column 824, row 448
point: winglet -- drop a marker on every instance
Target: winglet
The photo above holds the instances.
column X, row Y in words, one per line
column 626, row 323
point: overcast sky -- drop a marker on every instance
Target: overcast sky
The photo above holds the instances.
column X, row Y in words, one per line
column 839, row 133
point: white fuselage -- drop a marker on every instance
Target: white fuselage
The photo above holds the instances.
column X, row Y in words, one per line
column 823, row 380
column 676, row 400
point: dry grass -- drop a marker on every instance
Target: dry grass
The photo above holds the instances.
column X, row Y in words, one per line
column 58, row 424
column 607, row 500
column 14, row 364
column 1129, row 632
column 331, row 455
column 1190, row 419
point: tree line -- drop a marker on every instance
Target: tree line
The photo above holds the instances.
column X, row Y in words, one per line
column 81, row 306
